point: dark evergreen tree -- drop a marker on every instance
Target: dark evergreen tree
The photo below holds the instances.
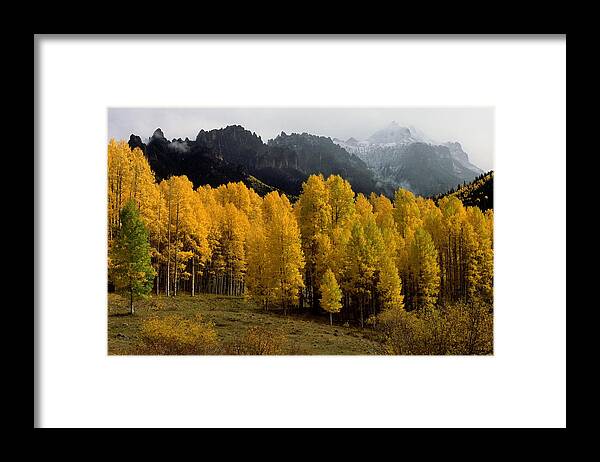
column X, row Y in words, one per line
column 130, row 264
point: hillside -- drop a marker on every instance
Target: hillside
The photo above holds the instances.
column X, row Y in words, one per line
column 479, row 192
column 319, row 154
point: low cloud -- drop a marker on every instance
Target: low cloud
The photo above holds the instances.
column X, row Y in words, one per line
column 179, row 146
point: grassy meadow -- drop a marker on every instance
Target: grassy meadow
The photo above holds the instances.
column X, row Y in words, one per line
column 233, row 318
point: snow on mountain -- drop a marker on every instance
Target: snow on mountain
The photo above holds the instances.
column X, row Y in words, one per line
column 405, row 157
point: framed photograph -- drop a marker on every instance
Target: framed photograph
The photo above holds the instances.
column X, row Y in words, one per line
column 285, row 245
column 222, row 243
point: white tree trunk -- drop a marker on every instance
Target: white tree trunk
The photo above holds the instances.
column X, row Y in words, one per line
column 193, row 275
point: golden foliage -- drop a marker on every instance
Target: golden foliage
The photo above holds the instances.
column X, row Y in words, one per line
column 331, row 293
column 382, row 254
column 174, row 335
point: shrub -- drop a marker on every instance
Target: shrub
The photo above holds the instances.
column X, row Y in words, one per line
column 457, row 329
column 472, row 329
column 259, row 341
column 174, row 335
column 404, row 332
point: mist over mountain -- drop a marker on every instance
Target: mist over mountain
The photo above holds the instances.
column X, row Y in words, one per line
column 391, row 158
column 197, row 160
column 236, row 154
column 319, row 154
column 404, row 157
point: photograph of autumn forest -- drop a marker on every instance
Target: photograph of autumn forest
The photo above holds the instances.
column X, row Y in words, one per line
column 325, row 231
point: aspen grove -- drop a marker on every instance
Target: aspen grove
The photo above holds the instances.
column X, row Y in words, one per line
column 331, row 251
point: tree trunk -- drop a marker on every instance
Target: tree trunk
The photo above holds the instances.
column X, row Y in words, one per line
column 167, row 287
column 193, row 275
column 130, row 300
column 176, row 247
column 158, row 244
column 361, row 311
column 157, row 278
column 330, row 319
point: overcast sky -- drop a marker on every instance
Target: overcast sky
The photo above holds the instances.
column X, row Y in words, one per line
column 473, row 127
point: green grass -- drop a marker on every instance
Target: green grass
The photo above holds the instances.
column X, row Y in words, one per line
column 232, row 316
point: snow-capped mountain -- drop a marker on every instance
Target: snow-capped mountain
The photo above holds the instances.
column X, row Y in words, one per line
column 405, row 157
column 391, row 136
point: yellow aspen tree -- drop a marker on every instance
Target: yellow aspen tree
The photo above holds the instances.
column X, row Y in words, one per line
column 390, row 285
column 433, row 224
column 255, row 209
column 196, row 226
column 362, row 265
column 406, row 212
column 286, row 260
column 480, row 276
column 145, row 192
column 341, row 200
column 237, row 194
column 313, row 212
column 489, row 220
column 331, row 294
column 339, row 261
column 157, row 229
column 377, row 252
column 233, row 229
column 241, row 197
column 215, row 265
column 383, row 209
column 391, row 241
column 259, row 280
column 364, row 209
column 176, row 202
column 452, row 249
column 184, row 224
column 167, row 195
column 323, row 257
column 119, row 182
column 142, row 185
column 423, row 279
column 177, row 191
